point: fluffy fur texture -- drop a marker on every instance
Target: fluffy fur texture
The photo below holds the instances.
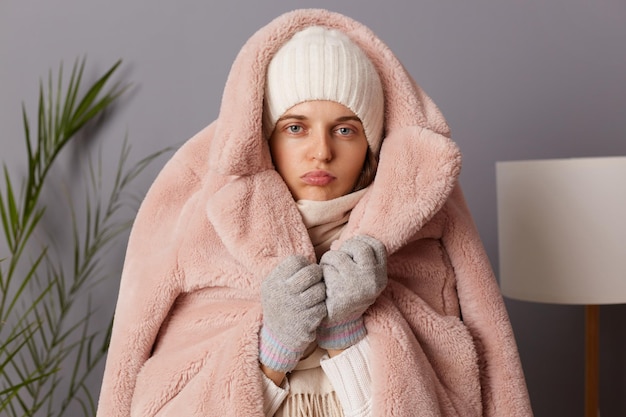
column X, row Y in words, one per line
column 218, row 219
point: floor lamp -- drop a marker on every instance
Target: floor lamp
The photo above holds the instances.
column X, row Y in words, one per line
column 562, row 239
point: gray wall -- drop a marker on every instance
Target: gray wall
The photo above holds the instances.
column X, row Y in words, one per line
column 516, row 80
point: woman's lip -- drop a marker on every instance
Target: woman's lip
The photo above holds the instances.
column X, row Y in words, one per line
column 318, row 178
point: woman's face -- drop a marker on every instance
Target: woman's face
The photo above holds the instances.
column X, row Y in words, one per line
column 319, row 149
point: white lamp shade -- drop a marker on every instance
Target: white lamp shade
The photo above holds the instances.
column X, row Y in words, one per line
column 562, row 230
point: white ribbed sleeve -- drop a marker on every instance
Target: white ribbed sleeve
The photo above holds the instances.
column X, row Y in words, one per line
column 273, row 395
column 349, row 373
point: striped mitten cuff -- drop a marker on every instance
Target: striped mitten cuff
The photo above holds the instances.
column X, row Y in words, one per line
column 341, row 335
column 274, row 354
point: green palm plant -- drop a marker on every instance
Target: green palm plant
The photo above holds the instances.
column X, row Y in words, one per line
column 48, row 347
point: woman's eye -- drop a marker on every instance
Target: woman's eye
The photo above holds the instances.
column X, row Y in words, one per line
column 344, row 131
column 294, row 129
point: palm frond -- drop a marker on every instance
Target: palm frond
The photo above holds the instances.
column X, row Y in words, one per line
column 44, row 326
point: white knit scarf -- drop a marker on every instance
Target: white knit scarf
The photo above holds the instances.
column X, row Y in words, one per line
column 311, row 393
column 325, row 220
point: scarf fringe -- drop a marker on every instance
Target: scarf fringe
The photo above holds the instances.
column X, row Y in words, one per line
column 312, row 405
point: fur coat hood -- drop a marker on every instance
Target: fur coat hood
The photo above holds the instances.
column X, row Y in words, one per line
column 219, row 218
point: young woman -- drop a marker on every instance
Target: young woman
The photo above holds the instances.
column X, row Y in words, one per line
column 310, row 252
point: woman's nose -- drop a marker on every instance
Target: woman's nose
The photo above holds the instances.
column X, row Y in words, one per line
column 321, row 149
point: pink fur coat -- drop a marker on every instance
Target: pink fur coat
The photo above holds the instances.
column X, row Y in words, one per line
column 219, row 218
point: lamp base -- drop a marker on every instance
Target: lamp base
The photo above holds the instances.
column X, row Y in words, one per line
column 592, row 348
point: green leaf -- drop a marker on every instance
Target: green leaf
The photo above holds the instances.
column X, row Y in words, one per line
column 49, row 327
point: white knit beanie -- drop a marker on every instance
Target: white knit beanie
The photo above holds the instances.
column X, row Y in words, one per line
column 318, row 63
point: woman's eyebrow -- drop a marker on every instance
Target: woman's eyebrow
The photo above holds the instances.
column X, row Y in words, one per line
column 348, row 118
column 291, row 116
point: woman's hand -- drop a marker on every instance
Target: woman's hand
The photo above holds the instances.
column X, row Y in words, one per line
column 354, row 275
column 292, row 297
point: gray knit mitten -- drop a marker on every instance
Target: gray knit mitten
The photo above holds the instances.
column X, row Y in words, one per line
column 292, row 297
column 354, row 276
